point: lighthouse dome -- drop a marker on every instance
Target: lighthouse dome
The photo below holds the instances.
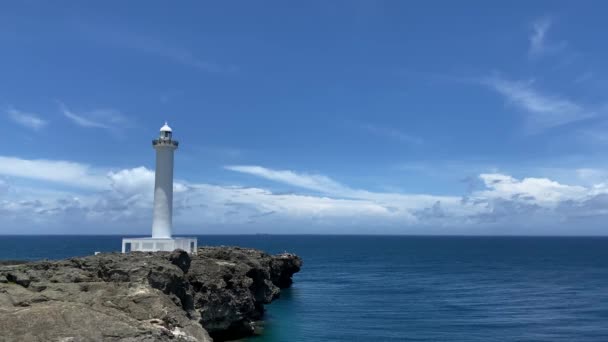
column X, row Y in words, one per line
column 165, row 128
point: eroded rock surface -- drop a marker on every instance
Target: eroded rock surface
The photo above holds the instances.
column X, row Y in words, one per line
column 137, row 297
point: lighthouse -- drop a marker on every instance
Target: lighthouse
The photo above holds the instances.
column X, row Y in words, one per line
column 162, row 216
column 165, row 146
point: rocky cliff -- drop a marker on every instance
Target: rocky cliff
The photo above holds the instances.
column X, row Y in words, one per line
column 218, row 295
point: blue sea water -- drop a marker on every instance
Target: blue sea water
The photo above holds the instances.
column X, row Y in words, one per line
column 389, row 288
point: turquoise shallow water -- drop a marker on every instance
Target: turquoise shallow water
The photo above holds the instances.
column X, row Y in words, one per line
column 386, row 288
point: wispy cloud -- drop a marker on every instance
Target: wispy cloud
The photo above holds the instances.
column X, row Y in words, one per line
column 215, row 151
column 154, row 46
column 314, row 182
column 174, row 53
column 594, row 136
column 584, row 77
column 327, row 186
column 537, row 37
column 392, row 133
column 82, row 121
column 544, row 110
column 100, row 118
column 28, row 120
column 539, row 45
column 184, row 57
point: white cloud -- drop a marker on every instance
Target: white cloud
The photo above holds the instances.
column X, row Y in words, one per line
column 394, row 202
column 541, row 191
column 256, row 201
column 101, row 118
column 392, row 133
column 124, row 198
column 132, row 181
column 544, row 110
column 121, row 202
column 584, row 77
column 29, row 120
column 59, row 171
column 4, row 187
column 504, row 200
column 592, row 175
column 153, row 46
column 176, row 54
column 182, row 56
column 314, row 182
column 538, row 39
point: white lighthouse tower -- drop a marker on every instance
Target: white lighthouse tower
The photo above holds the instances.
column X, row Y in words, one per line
column 162, row 224
column 162, row 220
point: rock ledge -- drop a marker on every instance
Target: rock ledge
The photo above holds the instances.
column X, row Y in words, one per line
column 215, row 295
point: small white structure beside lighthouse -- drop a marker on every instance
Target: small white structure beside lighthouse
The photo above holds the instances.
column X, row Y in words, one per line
column 162, row 221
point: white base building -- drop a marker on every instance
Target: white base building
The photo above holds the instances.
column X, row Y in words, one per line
column 162, row 224
column 148, row 244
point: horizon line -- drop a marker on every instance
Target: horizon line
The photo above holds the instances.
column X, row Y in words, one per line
column 321, row 234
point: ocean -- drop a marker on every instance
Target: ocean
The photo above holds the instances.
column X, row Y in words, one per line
column 400, row 288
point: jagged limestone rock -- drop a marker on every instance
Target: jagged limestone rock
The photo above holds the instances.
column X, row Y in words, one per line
column 142, row 296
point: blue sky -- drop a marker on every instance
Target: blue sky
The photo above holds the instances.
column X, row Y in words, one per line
column 319, row 117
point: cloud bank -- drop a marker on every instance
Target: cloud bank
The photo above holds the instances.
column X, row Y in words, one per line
column 77, row 198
